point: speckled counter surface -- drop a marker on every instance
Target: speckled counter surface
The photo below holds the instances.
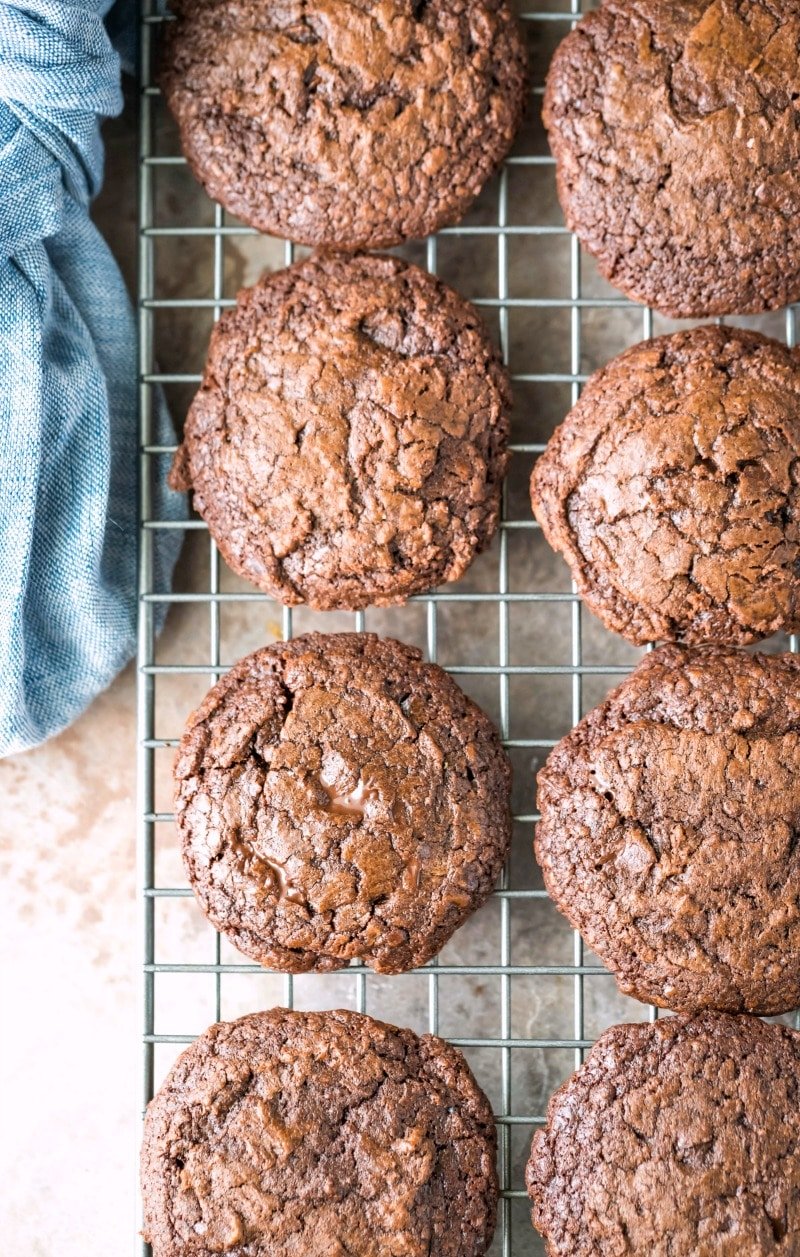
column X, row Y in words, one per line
column 68, row 934
column 69, row 929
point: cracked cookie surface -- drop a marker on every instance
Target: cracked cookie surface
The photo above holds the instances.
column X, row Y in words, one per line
column 345, row 123
column 670, row 830
column 680, row 1138
column 348, row 444
column 676, row 132
column 339, row 799
column 671, row 489
column 326, row 1134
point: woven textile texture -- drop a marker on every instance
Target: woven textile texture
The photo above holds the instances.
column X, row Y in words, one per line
column 68, row 382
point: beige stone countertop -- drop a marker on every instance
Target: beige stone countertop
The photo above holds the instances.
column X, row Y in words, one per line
column 68, row 933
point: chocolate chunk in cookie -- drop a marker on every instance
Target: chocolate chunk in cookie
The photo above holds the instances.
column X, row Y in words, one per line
column 670, row 830
column 676, row 132
column 321, row 1134
column 348, row 444
column 680, row 1138
column 349, row 125
column 339, row 799
column 671, row 489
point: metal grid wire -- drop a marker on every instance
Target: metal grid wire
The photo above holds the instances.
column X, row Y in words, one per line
column 514, row 1235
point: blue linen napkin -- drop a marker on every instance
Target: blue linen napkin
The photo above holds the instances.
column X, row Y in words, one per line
column 68, row 387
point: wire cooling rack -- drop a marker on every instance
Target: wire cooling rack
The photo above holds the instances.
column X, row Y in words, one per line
column 515, row 989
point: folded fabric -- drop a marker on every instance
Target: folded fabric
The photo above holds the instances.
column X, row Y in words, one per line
column 68, row 385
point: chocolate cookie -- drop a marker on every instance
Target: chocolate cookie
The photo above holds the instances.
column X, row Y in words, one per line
column 670, row 830
column 671, row 489
column 339, row 799
column 348, row 444
column 680, row 1139
column 321, row 1134
column 349, row 125
column 676, row 133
